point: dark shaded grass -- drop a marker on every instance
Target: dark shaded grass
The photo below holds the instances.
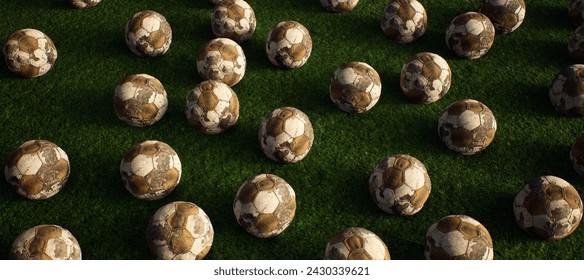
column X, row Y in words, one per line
column 72, row 106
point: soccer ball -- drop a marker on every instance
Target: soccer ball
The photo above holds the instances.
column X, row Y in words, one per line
column 404, row 21
column 29, row 53
column 548, row 207
column 356, row 243
column 505, row 15
column 576, row 12
column 286, row 135
column 425, row 78
column 567, row 91
column 577, row 155
column 289, row 45
column 212, row 107
column 180, row 230
column 339, row 6
column 233, row 19
column 84, row 3
column 467, row 126
column 400, row 185
column 150, row 170
column 355, row 87
column 37, row 169
column 470, row 35
column 45, row 242
column 148, row 33
column 140, row 100
column 222, row 59
column 576, row 44
column 265, row 205
column 458, row 237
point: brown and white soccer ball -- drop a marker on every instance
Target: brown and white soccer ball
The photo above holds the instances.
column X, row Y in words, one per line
column 222, row 59
column 576, row 44
column 567, row 91
column 548, row 207
column 404, row 21
column 400, row 185
column 80, row 4
column 29, row 53
column 37, row 169
column 233, row 19
column 467, row 126
column 505, row 15
column 458, row 237
column 180, row 230
column 148, row 33
column 425, row 78
column 339, row 6
column 470, row 35
column 355, row 87
column 45, row 242
column 576, row 12
column 577, row 155
column 150, row 170
column 288, row 45
column 265, row 205
column 286, row 135
column 212, row 107
column 356, row 243
column 140, row 100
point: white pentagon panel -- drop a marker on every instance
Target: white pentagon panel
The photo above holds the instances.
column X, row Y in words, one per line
column 474, row 27
column 347, row 76
column 454, row 243
column 141, row 165
column 294, row 126
column 414, row 177
column 29, row 164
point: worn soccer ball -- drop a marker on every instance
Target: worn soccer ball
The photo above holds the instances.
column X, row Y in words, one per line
column 233, row 19
column 505, row 15
column 458, row 237
column 567, row 91
column 286, row 135
column 339, row 6
column 222, row 59
column 577, row 155
column 29, row 53
column 470, row 35
column 289, row 45
column 45, row 242
column 400, row 185
column 576, row 44
column 404, row 21
column 150, row 170
column 180, row 230
column 356, row 243
column 148, row 33
column 355, row 87
column 548, row 207
column 212, row 107
column 265, row 205
column 140, row 100
column 37, row 169
column 425, row 78
column 467, row 126
column 576, row 12
column 80, row 4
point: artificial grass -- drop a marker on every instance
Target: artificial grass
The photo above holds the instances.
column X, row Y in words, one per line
column 72, row 106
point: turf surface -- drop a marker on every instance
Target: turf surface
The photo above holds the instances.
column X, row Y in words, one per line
column 72, row 106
